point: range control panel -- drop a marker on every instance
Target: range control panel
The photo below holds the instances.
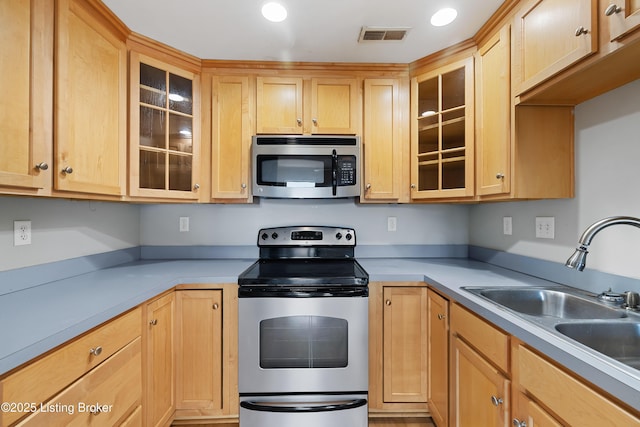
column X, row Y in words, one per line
column 307, row 236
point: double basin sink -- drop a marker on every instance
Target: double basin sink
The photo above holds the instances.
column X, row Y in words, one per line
column 604, row 327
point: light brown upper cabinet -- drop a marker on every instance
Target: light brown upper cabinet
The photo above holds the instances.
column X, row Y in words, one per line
column 232, row 128
column 384, row 151
column 493, row 115
column 550, row 35
column 442, row 132
column 624, row 17
column 280, row 106
column 164, row 147
column 334, row 106
column 26, row 34
column 90, row 102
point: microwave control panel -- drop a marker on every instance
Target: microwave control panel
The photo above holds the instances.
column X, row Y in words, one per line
column 346, row 170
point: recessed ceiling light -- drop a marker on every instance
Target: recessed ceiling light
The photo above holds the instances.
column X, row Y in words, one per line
column 274, row 12
column 443, row 17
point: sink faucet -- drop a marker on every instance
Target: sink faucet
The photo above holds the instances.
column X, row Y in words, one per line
column 579, row 258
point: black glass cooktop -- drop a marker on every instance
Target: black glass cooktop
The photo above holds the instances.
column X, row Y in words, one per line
column 307, row 272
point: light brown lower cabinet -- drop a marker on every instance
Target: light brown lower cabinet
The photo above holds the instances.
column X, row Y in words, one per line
column 159, row 361
column 206, row 350
column 496, row 380
column 397, row 350
column 103, row 365
column 438, row 351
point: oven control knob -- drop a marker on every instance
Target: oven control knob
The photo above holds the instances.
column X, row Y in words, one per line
column 349, row 237
column 264, row 236
column 274, row 236
column 339, row 236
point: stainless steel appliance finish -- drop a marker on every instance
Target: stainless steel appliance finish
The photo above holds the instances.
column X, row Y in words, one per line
column 305, row 411
column 303, row 330
column 308, row 167
column 288, row 363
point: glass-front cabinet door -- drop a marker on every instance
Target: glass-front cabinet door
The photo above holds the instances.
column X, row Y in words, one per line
column 442, row 132
column 164, row 157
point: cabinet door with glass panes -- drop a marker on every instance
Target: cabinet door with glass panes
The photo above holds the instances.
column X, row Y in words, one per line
column 442, row 133
column 164, row 130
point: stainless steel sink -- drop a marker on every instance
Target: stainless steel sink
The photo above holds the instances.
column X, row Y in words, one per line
column 619, row 340
column 549, row 302
column 571, row 313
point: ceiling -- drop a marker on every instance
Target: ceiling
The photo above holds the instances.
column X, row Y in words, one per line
column 314, row 31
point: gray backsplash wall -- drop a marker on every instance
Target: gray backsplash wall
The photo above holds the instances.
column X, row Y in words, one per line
column 607, row 144
column 231, row 225
column 64, row 229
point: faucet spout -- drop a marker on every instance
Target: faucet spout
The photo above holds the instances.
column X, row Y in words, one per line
column 579, row 258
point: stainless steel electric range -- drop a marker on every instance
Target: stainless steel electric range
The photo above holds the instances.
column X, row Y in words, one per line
column 303, row 330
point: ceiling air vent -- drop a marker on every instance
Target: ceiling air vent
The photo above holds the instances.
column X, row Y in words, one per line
column 380, row 34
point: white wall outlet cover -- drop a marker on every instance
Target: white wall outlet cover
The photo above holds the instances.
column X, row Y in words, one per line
column 507, row 225
column 545, row 227
column 392, row 223
column 21, row 233
column 184, row 224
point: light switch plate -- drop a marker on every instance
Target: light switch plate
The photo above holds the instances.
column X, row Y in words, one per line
column 545, row 227
column 507, row 225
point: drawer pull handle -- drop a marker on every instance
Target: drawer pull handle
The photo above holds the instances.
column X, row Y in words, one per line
column 43, row 166
column 153, row 322
column 497, row 401
column 612, row 9
column 441, row 317
column 67, row 170
column 215, row 306
column 96, row 351
column 581, row 30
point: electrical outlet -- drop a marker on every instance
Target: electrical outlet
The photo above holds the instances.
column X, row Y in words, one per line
column 392, row 223
column 184, row 224
column 21, row 233
column 507, row 225
column 545, row 227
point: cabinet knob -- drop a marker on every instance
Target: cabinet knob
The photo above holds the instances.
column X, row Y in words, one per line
column 497, row 401
column 215, row 306
column 196, row 187
column 299, row 121
column 441, row 317
column 612, row 9
column 368, row 186
column 518, row 423
column 67, row 170
column 413, row 186
column 499, row 175
column 96, row 351
column 43, row 166
column 153, row 322
column 388, row 302
column 243, row 186
column 315, row 122
column 581, row 30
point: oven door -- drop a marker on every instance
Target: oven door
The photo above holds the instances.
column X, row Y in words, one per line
column 305, row 410
column 303, row 345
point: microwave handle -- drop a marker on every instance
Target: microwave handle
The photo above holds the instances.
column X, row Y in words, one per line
column 334, row 172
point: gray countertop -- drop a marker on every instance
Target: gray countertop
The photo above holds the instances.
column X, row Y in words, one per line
column 38, row 319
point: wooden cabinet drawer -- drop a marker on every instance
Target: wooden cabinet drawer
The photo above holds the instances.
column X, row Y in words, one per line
column 490, row 341
column 573, row 401
column 44, row 378
column 102, row 397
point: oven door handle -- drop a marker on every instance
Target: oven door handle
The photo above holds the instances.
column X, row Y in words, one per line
column 334, row 172
column 306, row 407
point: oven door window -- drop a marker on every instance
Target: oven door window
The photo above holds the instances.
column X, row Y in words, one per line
column 303, row 342
column 294, row 171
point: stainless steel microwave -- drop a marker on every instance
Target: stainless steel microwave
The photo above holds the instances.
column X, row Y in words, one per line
column 306, row 167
